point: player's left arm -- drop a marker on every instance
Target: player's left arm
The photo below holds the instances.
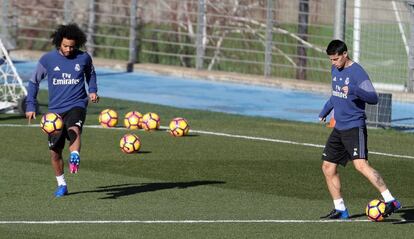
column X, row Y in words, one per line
column 363, row 89
column 367, row 93
column 90, row 77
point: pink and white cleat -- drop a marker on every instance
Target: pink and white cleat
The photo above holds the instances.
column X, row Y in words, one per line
column 74, row 162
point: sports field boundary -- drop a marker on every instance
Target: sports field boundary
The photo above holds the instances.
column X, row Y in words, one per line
column 231, row 136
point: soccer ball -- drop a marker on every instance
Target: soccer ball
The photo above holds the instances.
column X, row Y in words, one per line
column 108, row 118
column 51, row 123
column 375, row 210
column 179, row 127
column 133, row 120
column 150, row 121
column 130, row 143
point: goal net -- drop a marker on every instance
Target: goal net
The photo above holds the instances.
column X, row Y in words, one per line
column 12, row 90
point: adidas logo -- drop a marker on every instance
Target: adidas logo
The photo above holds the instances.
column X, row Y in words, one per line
column 79, row 123
column 355, row 152
column 56, row 68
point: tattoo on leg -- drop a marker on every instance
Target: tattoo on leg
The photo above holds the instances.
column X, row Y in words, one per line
column 378, row 179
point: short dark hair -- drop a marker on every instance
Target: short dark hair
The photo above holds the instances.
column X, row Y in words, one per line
column 336, row 47
column 71, row 32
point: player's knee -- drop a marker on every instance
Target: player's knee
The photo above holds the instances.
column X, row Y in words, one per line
column 56, row 154
column 328, row 169
column 73, row 134
column 361, row 165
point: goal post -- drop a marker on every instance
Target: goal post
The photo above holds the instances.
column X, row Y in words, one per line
column 410, row 80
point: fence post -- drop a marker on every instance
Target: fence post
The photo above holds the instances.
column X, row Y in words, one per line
column 201, row 26
column 9, row 40
column 132, row 36
column 340, row 17
column 357, row 30
column 410, row 79
column 5, row 21
column 67, row 10
column 91, row 28
column 269, row 39
column 303, row 22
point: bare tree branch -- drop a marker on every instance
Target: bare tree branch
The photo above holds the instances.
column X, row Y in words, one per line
column 273, row 47
column 282, row 31
column 244, row 24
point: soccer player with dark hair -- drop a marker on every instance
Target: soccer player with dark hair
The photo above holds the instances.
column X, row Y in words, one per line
column 67, row 69
column 351, row 89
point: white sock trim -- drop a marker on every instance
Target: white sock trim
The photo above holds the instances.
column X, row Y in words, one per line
column 339, row 204
column 61, row 180
column 387, row 196
column 75, row 152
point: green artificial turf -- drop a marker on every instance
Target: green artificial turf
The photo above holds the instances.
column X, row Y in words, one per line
column 198, row 177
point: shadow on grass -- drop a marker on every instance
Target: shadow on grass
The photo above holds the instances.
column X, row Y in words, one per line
column 121, row 190
column 357, row 216
column 11, row 116
column 143, row 152
column 406, row 213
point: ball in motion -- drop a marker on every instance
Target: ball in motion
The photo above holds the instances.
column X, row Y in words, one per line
column 151, row 121
column 179, row 127
column 51, row 123
column 375, row 210
column 133, row 120
column 130, row 143
column 108, row 118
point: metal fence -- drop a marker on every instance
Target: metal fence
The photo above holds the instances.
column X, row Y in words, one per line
column 274, row 38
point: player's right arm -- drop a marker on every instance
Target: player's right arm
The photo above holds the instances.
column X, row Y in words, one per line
column 327, row 108
column 32, row 90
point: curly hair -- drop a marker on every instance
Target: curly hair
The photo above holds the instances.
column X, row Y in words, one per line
column 71, row 32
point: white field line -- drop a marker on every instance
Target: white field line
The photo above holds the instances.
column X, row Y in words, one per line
column 269, row 221
column 233, row 136
column 292, row 142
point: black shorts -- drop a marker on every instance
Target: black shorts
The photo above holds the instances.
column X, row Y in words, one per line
column 345, row 145
column 74, row 117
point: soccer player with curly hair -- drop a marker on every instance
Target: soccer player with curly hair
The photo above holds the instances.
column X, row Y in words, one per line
column 67, row 69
